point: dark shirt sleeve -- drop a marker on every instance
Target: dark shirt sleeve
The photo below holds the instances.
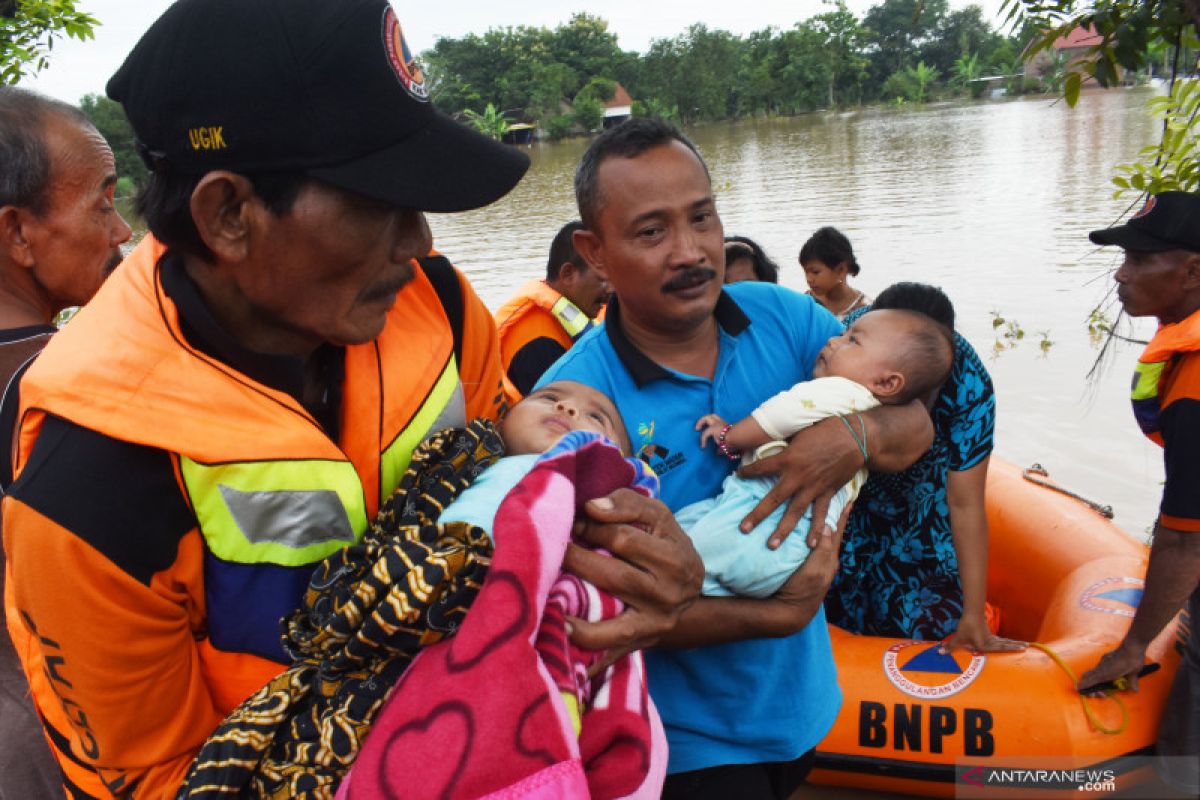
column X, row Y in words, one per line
column 531, row 361
column 1180, row 424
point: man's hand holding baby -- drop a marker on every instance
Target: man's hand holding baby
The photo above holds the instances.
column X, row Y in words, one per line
column 656, row 572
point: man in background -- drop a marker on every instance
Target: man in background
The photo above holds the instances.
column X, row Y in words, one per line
column 1160, row 277
column 546, row 317
column 60, row 236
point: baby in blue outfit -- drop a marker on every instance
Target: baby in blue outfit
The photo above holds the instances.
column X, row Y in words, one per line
column 884, row 357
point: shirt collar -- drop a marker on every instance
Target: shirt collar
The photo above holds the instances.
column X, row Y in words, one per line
column 642, row 368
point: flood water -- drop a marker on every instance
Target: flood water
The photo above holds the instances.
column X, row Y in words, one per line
column 991, row 201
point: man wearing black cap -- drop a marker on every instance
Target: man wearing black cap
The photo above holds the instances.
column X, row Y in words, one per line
column 250, row 384
column 1160, row 277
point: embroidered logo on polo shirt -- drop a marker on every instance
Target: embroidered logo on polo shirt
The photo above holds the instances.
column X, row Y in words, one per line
column 660, row 458
column 400, row 57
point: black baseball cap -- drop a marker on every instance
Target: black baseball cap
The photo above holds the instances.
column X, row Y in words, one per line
column 1168, row 221
column 327, row 88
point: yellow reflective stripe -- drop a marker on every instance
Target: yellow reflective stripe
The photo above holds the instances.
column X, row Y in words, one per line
column 573, row 320
column 444, row 407
column 290, row 513
column 1146, row 378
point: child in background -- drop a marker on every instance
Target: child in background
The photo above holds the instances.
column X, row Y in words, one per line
column 887, row 357
column 828, row 259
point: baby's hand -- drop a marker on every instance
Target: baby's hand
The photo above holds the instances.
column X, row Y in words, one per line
column 710, row 426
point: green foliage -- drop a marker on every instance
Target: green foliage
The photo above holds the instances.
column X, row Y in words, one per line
column 1126, row 29
column 28, row 29
column 899, row 28
column 1133, row 34
column 599, row 89
column 653, row 107
column 1009, row 334
column 588, row 113
column 912, row 83
column 830, row 60
column 491, row 122
column 843, row 41
column 1174, row 163
column 1099, row 326
column 899, row 87
column 966, row 71
column 109, row 118
column 558, row 126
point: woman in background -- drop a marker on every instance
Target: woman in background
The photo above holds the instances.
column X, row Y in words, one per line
column 746, row 261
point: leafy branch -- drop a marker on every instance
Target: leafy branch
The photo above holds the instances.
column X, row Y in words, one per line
column 28, row 29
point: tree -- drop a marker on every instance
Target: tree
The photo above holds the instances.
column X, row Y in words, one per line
column 960, row 32
column 844, row 41
column 109, row 118
column 552, row 85
column 28, row 29
column 803, row 70
column 966, row 71
column 585, row 45
column 490, row 123
column 588, row 113
column 899, row 28
column 1127, row 29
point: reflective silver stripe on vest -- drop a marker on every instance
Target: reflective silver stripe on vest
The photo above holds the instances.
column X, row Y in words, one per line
column 293, row 519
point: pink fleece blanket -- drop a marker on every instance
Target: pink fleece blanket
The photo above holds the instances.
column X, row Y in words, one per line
column 482, row 714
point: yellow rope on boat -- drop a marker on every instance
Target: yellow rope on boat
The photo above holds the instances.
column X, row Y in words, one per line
column 1083, row 700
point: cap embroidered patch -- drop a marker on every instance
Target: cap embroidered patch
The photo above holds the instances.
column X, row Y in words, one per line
column 1151, row 201
column 405, row 67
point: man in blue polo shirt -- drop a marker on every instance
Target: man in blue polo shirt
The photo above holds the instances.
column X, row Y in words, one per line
column 748, row 687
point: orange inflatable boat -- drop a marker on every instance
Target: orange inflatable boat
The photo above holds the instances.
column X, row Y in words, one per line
column 917, row 722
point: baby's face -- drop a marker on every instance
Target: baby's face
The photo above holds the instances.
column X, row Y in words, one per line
column 866, row 352
column 536, row 423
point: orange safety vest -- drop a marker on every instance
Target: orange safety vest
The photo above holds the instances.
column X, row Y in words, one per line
column 123, row 368
column 537, row 311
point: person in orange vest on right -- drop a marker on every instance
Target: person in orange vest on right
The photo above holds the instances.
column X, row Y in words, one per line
column 542, row 320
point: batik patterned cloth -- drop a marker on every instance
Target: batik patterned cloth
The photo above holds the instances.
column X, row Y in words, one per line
column 367, row 612
column 488, row 713
column 899, row 570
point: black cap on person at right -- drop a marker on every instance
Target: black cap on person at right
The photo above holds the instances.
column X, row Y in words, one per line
column 327, row 88
column 1168, row 221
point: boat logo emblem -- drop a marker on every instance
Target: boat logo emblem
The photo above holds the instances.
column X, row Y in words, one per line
column 400, row 57
column 918, row 669
column 1119, row 596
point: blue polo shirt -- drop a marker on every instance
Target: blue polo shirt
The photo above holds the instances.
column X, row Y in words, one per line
column 757, row 700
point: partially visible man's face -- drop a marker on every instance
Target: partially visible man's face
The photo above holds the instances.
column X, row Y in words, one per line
column 1152, row 284
column 588, row 290
column 660, row 241
column 76, row 242
column 328, row 270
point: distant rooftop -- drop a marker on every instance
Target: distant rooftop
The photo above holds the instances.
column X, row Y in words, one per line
column 620, row 98
column 1080, row 37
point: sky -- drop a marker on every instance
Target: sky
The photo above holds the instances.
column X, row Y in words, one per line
column 79, row 68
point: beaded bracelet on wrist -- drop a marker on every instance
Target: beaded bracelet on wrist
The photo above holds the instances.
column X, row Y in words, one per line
column 732, row 455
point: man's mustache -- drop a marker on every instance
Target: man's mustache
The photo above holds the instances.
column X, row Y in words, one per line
column 689, row 277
